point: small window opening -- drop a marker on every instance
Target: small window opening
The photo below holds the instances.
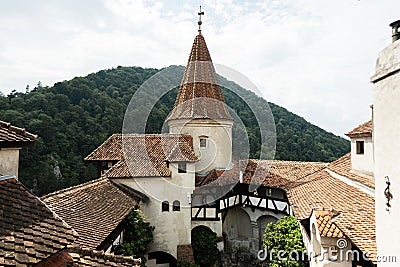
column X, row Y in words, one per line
column 176, row 206
column 165, row 206
column 360, row 147
column 203, row 142
column 181, row 167
column 269, row 191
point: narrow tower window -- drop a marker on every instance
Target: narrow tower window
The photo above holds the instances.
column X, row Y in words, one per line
column 176, row 206
column 181, row 167
column 203, row 142
column 165, row 206
column 360, row 147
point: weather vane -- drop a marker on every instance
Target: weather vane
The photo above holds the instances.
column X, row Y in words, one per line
column 200, row 13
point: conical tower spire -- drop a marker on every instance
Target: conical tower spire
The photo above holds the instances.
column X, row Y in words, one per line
column 200, row 95
column 201, row 112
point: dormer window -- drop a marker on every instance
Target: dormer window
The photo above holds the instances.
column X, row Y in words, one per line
column 360, row 147
column 203, row 142
column 181, row 167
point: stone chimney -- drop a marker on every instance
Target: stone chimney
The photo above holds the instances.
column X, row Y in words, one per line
column 395, row 30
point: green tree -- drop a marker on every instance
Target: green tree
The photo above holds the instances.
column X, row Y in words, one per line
column 204, row 243
column 138, row 234
column 285, row 237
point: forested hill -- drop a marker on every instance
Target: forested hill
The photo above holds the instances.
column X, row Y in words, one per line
column 74, row 117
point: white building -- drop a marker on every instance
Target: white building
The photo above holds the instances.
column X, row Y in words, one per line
column 187, row 179
column 386, row 120
column 169, row 169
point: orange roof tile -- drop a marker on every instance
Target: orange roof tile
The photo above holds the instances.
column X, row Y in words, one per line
column 271, row 173
column 357, row 218
column 11, row 134
column 364, row 129
column 326, row 227
column 310, row 186
column 83, row 257
column 200, row 95
column 144, row 155
column 29, row 230
column 158, row 146
column 94, row 209
column 342, row 166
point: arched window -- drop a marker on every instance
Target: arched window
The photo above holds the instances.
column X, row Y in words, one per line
column 165, row 206
column 176, row 206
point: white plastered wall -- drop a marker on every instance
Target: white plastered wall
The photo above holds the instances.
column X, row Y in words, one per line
column 386, row 86
column 172, row 228
column 218, row 152
column 317, row 247
column 9, row 161
column 363, row 163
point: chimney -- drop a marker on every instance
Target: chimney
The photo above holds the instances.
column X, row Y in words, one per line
column 395, row 30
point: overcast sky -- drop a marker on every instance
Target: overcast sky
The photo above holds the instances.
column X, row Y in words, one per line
column 312, row 57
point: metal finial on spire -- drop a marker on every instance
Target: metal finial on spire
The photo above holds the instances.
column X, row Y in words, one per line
column 200, row 13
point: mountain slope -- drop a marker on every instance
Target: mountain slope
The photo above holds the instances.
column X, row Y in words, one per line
column 73, row 117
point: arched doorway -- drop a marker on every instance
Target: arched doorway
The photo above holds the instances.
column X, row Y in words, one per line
column 162, row 257
column 238, row 230
column 262, row 223
column 204, row 244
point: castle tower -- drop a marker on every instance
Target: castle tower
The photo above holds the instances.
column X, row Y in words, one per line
column 386, row 123
column 201, row 112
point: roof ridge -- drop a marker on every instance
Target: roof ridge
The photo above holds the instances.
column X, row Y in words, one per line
column 75, row 233
column 7, row 177
column 18, row 130
column 362, row 129
column 178, row 149
column 71, row 188
column 149, row 134
column 100, row 254
column 293, row 161
column 42, row 202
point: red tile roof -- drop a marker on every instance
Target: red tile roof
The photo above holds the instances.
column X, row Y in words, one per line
column 29, row 230
column 200, row 95
column 271, row 173
column 16, row 135
column 364, row 129
column 138, row 168
column 342, row 166
column 309, row 186
column 94, row 209
column 144, row 155
column 326, row 227
column 157, row 145
column 357, row 218
column 280, row 173
column 82, row 257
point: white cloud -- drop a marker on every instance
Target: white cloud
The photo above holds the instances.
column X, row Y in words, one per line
column 312, row 57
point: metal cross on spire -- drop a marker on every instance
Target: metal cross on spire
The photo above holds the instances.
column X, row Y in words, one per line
column 200, row 13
